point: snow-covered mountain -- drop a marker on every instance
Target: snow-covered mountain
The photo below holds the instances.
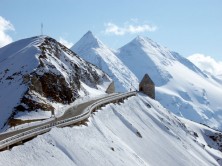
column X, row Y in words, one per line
column 137, row 132
column 38, row 73
column 94, row 51
column 180, row 85
column 216, row 78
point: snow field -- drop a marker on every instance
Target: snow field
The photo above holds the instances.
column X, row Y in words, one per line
column 111, row 138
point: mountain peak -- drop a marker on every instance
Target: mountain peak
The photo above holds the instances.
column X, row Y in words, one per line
column 89, row 34
column 143, row 40
column 139, row 38
column 28, row 65
column 88, row 40
column 94, row 51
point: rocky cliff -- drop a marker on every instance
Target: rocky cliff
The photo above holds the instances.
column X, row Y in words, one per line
column 36, row 73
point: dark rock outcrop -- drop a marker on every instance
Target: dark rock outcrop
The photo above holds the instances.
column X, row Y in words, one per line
column 57, row 78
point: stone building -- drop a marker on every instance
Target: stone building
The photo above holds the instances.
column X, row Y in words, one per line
column 111, row 88
column 147, row 86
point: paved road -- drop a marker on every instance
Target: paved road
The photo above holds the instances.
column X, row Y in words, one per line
column 71, row 112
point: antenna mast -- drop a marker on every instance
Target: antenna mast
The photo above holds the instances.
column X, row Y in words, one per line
column 41, row 28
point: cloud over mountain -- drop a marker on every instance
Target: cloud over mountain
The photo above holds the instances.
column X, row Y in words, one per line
column 128, row 27
column 5, row 26
column 65, row 42
column 206, row 63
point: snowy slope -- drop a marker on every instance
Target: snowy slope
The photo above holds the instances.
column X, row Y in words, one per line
column 181, row 86
column 137, row 132
column 94, row 51
column 38, row 73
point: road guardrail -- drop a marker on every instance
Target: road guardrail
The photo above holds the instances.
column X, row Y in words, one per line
column 62, row 123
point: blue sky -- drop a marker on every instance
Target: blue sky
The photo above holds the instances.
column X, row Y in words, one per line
column 188, row 27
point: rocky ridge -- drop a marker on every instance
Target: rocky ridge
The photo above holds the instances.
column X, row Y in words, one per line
column 41, row 72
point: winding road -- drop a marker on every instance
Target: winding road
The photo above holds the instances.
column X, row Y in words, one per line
column 71, row 116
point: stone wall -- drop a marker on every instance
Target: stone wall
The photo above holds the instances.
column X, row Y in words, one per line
column 148, row 89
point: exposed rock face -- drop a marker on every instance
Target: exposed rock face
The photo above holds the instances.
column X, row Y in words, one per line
column 55, row 77
column 53, row 85
column 217, row 139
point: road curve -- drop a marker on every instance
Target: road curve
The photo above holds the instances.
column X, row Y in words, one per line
column 71, row 115
column 71, row 112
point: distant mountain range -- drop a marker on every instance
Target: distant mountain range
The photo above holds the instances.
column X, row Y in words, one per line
column 180, row 86
column 38, row 75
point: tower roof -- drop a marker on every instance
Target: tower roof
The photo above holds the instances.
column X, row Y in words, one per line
column 147, row 79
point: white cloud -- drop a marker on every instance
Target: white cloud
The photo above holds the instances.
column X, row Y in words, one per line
column 206, row 63
column 5, row 26
column 65, row 42
column 128, row 27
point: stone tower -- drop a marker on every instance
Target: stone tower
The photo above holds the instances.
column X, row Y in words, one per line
column 111, row 88
column 147, row 86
